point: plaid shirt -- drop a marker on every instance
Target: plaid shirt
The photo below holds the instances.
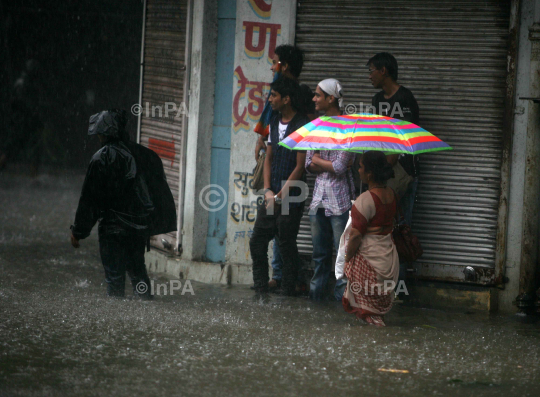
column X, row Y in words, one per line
column 333, row 191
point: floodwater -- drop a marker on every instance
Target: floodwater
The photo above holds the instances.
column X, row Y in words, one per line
column 60, row 335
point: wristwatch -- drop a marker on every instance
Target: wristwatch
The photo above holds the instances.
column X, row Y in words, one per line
column 277, row 199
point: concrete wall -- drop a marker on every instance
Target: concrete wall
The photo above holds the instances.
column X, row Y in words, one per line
column 517, row 170
column 252, row 76
column 199, row 137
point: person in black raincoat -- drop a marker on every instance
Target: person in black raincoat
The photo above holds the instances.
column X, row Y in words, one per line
column 126, row 190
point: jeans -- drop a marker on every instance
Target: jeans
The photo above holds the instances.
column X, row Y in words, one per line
column 277, row 263
column 407, row 205
column 325, row 230
column 120, row 254
column 339, row 289
column 286, row 228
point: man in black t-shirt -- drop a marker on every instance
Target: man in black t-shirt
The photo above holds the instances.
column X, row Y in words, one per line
column 398, row 102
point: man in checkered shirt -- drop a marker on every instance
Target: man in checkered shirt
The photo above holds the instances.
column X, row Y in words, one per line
column 333, row 192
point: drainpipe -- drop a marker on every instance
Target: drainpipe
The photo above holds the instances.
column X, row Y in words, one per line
column 141, row 73
column 531, row 198
column 507, row 139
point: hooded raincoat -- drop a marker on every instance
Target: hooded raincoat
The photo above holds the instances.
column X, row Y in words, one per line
column 125, row 186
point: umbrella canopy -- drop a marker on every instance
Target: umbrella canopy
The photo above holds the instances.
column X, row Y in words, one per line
column 362, row 132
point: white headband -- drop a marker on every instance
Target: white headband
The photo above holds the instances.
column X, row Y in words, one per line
column 333, row 87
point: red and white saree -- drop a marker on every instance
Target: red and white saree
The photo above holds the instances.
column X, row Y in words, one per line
column 373, row 272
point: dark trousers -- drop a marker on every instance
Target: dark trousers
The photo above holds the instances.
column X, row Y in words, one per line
column 120, row 254
column 285, row 227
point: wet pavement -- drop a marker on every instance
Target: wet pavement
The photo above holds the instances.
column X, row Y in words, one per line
column 60, row 335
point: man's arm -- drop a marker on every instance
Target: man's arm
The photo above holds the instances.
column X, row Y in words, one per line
column 339, row 166
column 310, row 167
column 261, row 145
column 267, row 173
column 296, row 174
column 315, row 169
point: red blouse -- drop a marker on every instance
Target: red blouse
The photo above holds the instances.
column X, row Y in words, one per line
column 384, row 216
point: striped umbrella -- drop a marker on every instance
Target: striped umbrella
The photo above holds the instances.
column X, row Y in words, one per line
column 362, row 132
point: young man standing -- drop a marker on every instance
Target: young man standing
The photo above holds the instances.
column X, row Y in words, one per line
column 280, row 214
column 287, row 62
column 333, row 192
column 398, row 102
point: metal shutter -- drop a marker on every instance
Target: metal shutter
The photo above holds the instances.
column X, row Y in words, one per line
column 452, row 55
column 304, row 241
column 163, row 82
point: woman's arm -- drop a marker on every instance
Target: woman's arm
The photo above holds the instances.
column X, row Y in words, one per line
column 355, row 239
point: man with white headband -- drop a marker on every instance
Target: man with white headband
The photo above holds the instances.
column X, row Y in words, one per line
column 333, row 192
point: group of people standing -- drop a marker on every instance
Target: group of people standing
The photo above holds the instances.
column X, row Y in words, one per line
column 126, row 190
column 365, row 222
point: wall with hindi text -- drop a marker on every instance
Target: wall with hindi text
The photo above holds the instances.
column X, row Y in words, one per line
column 261, row 25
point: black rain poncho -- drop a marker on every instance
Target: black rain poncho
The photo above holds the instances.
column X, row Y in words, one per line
column 125, row 186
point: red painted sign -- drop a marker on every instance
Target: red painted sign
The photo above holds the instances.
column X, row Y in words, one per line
column 257, row 51
column 164, row 149
column 256, row 99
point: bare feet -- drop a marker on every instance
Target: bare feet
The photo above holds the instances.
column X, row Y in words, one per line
column 375, row 320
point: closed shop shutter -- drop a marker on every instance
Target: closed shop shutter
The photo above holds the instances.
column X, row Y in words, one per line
column 304, row 241
column 161, row 127
column 452, row 55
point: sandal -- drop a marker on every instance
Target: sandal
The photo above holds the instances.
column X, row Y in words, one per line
column 274, row 284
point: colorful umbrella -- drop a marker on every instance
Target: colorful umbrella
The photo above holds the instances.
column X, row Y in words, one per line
column 362, row 132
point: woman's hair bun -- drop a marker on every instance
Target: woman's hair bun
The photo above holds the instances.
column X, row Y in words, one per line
column 376, row 163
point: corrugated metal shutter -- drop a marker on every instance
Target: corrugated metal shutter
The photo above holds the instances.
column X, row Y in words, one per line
column 452, row 55
column 304, row 241
column 163, row 89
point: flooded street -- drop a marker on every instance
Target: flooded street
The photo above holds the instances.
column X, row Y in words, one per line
column 61, row 335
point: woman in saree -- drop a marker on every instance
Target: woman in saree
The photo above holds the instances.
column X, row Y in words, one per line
column 371, row 258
